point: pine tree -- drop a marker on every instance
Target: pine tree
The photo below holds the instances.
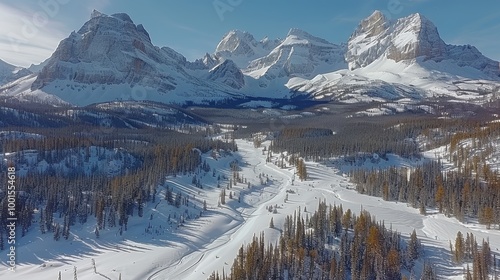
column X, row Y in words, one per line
column 385, row 191
column 423, row 211
column 65, row 231
column 222, row 197
column 393, row 264
column 2, row 242
column 42, row 222
column 271, row 223
column 467, row 274
column 412, row 250
column 488, row 216
column 75, row 276
column 459, row 248
column 178, row 200
column 440, row 197
column 169, row 196
column 428, row 272
column 57, row 232
column 301, row 169
column 486, row 258
column 346, row 219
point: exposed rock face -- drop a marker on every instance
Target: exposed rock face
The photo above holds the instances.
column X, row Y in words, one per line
column 409, row 38
column 415, row 36
column 110, row 50
column 237, row 43
column 228, row 73
column 299, row 55
column 241, row 47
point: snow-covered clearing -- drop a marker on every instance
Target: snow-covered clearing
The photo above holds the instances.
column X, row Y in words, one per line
column 200, row 246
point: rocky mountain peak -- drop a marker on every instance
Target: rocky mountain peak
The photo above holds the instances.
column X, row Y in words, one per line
column 95, row 13
column 106, row 50
column 228, row 73
column 299, row 34
column 407, row 39
column 416, row 36
column 373, row 25
column 237, row 42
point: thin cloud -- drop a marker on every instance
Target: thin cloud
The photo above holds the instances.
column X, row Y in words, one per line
column 28, row 35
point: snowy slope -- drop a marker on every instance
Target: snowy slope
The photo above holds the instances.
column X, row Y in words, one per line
column 10, row 72
column 385, row 79
column 20, row 91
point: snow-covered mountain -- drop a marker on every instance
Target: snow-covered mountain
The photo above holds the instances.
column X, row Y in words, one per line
column 299, row 54
column 269, row 64
column 242, row 48
column 228, row 73
column 9, row 72
column 389, row 60
column 111, row 58
column 409, row 38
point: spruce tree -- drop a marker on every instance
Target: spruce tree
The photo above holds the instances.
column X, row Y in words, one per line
column 412, row 251
column 459, row 248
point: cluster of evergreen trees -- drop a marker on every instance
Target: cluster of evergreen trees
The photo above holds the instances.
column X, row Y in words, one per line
column 387, row 136
column 453, row 193
column 111, row 200
column 330, row 244
column 467, row 250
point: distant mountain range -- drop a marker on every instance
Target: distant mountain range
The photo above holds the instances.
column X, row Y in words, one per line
column 111, row 58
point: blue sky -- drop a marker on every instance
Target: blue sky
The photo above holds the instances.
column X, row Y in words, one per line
column 30, row 30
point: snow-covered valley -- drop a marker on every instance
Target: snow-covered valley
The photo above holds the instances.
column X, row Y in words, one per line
column 164, row 247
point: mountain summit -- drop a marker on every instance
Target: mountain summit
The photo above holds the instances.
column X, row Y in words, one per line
column 108, row 50
column 112, row 58
column 409, row 38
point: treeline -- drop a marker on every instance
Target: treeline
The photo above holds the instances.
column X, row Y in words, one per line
column 353, row 138
column 454, row 193
column 331, row 244
column 111, row 200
